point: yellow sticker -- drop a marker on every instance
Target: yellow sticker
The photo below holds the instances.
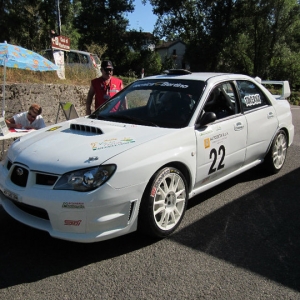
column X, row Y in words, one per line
column 54, row 128
column 207, row 143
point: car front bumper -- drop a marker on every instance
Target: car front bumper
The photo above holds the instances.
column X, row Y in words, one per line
column 75, row 216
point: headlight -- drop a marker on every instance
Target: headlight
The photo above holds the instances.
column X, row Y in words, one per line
column 86, row 179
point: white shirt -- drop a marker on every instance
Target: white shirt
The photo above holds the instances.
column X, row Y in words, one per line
column 23, row 120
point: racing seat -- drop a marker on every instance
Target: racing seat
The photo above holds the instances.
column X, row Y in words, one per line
column 219, row 103
column 175, row 108
column 227, row 103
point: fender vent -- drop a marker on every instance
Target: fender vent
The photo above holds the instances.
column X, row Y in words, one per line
column 131, row 210
column 86, row 128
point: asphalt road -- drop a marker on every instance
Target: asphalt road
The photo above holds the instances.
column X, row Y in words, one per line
column 240, row 240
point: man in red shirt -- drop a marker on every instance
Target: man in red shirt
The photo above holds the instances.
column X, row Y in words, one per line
column 104, row 87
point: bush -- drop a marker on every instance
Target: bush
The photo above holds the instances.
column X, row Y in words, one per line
column 295, row 98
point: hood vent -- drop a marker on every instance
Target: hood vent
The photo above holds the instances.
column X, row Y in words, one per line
column 86, row 128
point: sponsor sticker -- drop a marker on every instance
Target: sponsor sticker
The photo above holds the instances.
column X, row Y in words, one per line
column 153, row 191
column 54, row 128
column 206, row 143
column 159, row 181
column 252, row 100
column 206, row 132
column 218, row 138
column 165, row 83
column 72, row 222
column 114, row 142
column 76, row 205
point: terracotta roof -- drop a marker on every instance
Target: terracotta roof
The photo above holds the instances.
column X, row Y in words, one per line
column 166, row 45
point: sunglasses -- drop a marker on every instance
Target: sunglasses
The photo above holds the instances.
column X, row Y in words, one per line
column 108, row 70
column 31, row 115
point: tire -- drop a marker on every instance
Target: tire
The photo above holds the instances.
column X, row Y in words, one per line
column 163, row 204
column 277, row 153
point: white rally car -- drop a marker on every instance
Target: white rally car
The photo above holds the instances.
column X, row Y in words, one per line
column 134, row 163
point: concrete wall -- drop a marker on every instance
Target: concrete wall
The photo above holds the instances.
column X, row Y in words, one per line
column 19, row 97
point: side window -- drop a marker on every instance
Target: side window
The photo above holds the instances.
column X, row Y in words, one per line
column 83, row 58
column 251, row 96
column 73, row 58
column 222, row 101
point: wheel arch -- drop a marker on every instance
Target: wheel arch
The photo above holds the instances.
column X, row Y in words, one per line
column 146, row 222
column 181, row 167
column 287, row 136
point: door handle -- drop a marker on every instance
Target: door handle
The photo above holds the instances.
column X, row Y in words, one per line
column 270, row 115
column 238, row 126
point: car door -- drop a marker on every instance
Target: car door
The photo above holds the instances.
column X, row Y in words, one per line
column 221, row 145
column 261, row 120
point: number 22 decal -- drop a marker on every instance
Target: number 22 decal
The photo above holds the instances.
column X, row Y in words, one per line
column 213, row 153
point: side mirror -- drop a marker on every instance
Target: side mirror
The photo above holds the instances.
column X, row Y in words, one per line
column 208, row 117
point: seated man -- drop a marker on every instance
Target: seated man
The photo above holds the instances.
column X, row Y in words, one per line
column 27, row 120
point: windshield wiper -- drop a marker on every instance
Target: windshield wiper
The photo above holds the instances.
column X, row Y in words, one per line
column 129, row 118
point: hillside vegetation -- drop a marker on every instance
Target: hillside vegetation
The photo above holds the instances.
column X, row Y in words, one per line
column 74, row 76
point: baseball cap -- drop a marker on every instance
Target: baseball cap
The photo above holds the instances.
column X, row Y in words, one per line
column 107, row 64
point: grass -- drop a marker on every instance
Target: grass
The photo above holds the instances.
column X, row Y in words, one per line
column 74, row 76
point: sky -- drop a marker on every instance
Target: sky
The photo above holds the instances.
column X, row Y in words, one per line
column 142, row 17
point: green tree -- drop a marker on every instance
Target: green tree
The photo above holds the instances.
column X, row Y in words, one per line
column 103, row 22
column 259, row 31
column 202, row 25
column 231, row 35
column 28, row 22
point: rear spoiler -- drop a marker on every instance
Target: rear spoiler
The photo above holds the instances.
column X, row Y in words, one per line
column 285, row 90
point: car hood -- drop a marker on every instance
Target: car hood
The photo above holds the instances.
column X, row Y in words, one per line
column 79, row 143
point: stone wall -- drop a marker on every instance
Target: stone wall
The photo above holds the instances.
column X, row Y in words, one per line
column 19, row 97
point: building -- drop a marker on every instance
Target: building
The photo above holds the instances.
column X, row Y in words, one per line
column 175, row 50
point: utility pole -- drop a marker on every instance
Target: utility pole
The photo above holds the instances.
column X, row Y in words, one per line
column 58, row 18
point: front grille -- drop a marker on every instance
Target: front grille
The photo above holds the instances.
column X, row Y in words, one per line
column 32, row 210
column 86, row 128
column 45, row 179
column 19, row 176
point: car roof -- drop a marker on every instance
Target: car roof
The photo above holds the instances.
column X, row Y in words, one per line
column 202, row 76
column 76, row 51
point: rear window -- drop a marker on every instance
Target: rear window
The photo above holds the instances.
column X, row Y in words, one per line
column 252, row 97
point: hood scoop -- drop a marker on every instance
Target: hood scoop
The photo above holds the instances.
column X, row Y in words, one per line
column 86, row 128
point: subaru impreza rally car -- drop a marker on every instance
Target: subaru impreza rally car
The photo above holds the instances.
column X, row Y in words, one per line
column 134, row 163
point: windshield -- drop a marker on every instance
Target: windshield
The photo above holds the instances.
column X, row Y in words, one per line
column 166, row 103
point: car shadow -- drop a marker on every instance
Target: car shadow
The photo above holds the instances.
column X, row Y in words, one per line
column 259, row 232
column 28, row 254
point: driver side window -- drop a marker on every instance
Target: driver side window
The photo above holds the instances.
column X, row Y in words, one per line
column 222, row 101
